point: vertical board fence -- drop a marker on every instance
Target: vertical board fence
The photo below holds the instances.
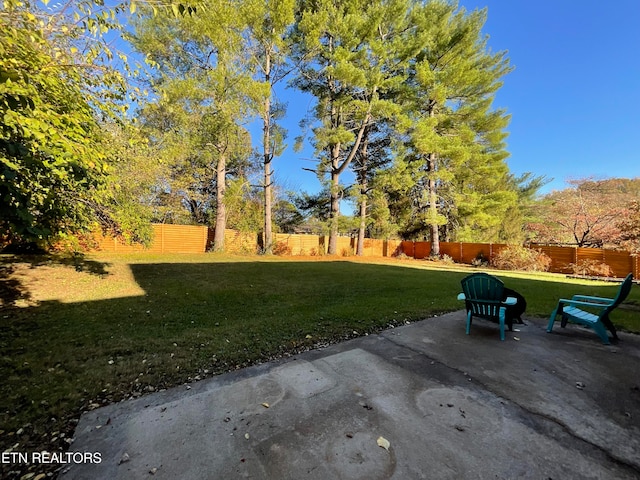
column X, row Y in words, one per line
column 198, row 239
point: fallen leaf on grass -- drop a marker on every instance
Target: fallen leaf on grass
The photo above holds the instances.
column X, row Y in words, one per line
column 384, row 443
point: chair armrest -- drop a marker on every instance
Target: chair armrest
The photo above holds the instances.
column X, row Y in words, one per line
column 507, row 301
column 579, row 303
column 510, row 301
column 587, row 298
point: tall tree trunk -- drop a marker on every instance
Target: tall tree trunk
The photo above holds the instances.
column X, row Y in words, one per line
column 362, row 177
column 268, row 231
column 334, row 209
column 221, row 210
column 268, row 156
column 363, row 223
column 434, row 232
column 337, row 167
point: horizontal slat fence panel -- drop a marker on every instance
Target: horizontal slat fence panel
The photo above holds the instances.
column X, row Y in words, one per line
column 391, row 248
column 452, row 249
column 421, row 249
column 300, row 244
column 168, row 238
column 621, row 263
column 561, row 257
column 344, row 246
column 475, row 251
column 407, row 249
column 595, row 254
column 371, row 247
column 115, row 245
column 240, row 242
column 182, row 238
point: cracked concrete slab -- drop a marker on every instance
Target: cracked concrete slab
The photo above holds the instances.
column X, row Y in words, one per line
column 451, row 406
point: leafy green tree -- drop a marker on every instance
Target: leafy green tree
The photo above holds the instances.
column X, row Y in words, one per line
column 267, row 25
column 244, row 206
column 373, row 155
column 204, row 96
column 456, row 137
column 55, row 83
column 513, row 228
column 129, row 191
column 286, row 216
column 347, row 55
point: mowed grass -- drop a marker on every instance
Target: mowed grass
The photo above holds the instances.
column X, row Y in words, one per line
column 79, row 333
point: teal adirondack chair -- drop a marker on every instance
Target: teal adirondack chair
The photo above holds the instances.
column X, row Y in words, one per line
column 483, row 297
column 592, row 312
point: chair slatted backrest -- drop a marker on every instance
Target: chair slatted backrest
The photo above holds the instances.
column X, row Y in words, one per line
column 623, row 292
column 483, row 294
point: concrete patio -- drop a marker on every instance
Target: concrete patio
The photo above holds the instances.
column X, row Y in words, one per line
column 423, row 401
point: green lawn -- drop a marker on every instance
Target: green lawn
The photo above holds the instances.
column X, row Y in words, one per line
column 77, row 334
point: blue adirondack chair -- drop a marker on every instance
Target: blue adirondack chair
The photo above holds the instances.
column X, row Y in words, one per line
column 592, row 312
column 483, row 297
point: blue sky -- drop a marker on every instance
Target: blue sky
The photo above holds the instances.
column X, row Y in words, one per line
column 574, row 95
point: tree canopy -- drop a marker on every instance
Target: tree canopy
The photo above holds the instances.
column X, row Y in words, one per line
column 590, row 213
column 403, row 90
column 59, row 91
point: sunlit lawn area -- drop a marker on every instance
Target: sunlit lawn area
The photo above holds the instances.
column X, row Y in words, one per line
column 102, row 328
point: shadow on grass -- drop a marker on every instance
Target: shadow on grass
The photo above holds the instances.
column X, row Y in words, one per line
column 200, row 319
column 11, row 289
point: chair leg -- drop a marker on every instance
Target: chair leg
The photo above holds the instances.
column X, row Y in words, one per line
column 609, row 324
column 552, row 320
column 501, row 316
column 468, row 321
column 598, row 327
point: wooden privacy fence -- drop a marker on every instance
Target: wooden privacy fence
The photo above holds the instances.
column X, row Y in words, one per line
column 198, row 239
column 562, row 258
column 166, row 239
column 304, row 244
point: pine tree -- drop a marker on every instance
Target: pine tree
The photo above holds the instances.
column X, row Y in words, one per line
column 347, row 51
column 455, row 133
